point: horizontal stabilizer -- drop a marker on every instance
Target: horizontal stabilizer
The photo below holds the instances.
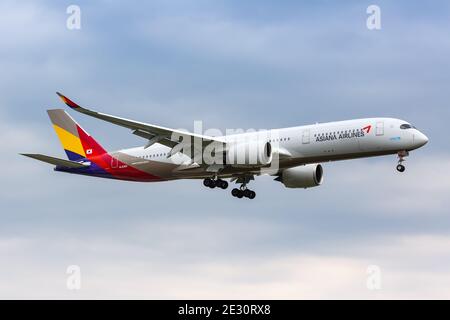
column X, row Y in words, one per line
column 56, row 161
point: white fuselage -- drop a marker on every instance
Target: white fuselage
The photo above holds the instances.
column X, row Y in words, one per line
column 306, row 144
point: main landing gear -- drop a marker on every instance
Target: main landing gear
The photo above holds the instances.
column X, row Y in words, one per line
column 212, row 183
column 401, row 158
column 240, row 193
column 243, row 192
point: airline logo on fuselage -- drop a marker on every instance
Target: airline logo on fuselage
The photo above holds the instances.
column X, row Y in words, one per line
column 367, row 128
column 347, row 134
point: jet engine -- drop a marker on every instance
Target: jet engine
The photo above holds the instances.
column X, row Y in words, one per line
column 307, row 176
column 249, row 153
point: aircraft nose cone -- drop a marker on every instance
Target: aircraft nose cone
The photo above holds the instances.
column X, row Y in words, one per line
column 420, row 139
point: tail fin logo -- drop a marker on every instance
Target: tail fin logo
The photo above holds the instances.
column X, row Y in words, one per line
column 76, row 142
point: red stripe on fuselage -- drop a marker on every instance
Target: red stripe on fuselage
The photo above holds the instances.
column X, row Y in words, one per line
column 96, row 154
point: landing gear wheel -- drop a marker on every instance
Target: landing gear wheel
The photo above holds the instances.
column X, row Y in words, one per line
column 223, row 184
column 207, row 182
column 249, row 194
column 237, row 193
column 243, row 191
column 401, row 168
column 211, row 183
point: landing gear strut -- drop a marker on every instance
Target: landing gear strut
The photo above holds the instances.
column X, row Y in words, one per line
column 401, row 158
column 212, row 183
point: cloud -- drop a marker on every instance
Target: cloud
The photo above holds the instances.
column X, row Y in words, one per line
column 313, row 243
column 111, row 269
column 231, row 65
column 421, row 190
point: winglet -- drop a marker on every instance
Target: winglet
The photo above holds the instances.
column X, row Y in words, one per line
column 67, row 101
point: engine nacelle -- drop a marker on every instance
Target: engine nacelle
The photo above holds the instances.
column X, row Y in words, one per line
column 307, row 176
column 249, row 153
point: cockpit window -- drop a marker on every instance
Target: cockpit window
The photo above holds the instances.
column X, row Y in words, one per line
column 406, row 126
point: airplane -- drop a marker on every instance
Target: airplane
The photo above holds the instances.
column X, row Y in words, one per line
column 292, row 155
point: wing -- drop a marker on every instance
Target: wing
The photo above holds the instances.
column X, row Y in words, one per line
column 154, row 134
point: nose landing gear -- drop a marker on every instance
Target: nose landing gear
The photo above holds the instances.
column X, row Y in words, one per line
column 401, row 158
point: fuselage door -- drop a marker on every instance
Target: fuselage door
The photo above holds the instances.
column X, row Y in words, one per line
column 305, row 136
column 380, row 128
column 114, row 162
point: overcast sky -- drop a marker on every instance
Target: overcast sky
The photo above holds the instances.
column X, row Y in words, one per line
column 231, row 64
